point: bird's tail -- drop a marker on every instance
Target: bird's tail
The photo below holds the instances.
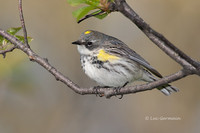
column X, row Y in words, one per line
column 168, row 89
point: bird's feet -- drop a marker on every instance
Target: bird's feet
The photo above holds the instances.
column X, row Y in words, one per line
column 97, row 89
column 117, row 90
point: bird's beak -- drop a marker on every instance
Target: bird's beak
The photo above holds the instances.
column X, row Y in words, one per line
column 77, row 42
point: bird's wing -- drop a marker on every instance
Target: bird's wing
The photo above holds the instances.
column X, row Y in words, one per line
column 126, row 52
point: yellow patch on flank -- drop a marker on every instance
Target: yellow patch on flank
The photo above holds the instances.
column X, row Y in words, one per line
column 87, row 32
column 103, row 56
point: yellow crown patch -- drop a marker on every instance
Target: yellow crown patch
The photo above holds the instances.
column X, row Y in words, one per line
column 87, row 32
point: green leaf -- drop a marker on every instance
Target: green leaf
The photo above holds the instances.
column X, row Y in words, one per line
column 13, row 31
column 81, row 12
column 21, row 38
column 1, row 40
column 89, row 2
column 4, row 43
column 30, row 39
column 76, row 2
column 95, row 3
column 100, row 16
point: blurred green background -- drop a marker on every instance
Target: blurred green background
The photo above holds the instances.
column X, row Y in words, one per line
column 32, row 101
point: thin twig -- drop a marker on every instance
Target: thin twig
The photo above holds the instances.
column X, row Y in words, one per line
column 90, row 15
column 3, row 52
column 23, row 24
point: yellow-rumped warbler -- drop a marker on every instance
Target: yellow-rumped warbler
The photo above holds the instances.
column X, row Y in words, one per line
column 111, row 63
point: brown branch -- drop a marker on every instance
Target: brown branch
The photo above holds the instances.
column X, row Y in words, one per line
column 23, row 24
column 149, row 86
column 41, row 61
column 170, row 49
column 3, row 52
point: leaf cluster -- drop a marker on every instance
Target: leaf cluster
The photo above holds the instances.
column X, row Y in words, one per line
column 99, row 7
column 4, row 43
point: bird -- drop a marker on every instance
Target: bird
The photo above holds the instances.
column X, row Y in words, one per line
column 111, row 63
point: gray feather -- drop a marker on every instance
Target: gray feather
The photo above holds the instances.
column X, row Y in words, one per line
column 128, row 53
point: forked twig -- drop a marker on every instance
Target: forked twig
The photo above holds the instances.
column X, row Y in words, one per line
column 91, row 15
column 23, row 24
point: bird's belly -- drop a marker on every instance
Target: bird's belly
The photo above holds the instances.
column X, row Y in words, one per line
column 110, row 75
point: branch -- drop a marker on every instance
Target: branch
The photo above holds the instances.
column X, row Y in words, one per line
column 34, row 57
column 23, row 24
column 170, row 49
column 91, row 15
column 149, row 86
column 3, row 52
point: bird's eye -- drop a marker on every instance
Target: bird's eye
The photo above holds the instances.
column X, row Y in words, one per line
column 88, row 44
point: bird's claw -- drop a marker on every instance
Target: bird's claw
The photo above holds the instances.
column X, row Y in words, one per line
column 117, row 90
column 96, row 88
